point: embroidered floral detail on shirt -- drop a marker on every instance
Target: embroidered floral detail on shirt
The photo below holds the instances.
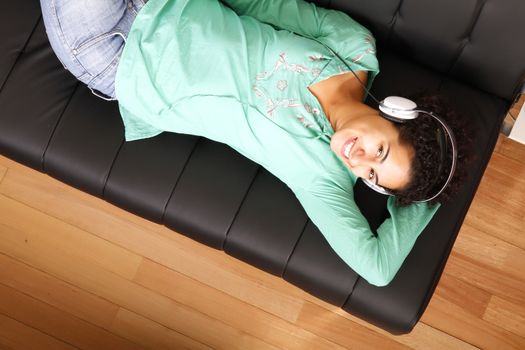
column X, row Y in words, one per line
column 282, row 63
column 282, row 84
column 261, row 76
column 304, row 121
column 274, row 104
column 360, row 56
column 270, row 88
column 308, row 107
column 369, row 39
column 312, row 110
column 316, row 57
column 283, row 103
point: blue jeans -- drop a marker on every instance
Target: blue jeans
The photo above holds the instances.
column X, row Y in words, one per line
column 88, row 37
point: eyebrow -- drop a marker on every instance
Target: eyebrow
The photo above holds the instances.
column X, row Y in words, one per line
column 382, row 161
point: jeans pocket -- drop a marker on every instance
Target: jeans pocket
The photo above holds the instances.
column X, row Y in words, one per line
column 98, row 53
column 104, row 82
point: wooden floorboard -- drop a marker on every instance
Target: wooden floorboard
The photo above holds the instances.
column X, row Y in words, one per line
column 79, row 273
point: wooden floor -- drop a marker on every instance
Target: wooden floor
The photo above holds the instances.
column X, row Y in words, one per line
column 79, row 273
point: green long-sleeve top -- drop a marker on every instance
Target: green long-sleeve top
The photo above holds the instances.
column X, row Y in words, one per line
column 238, row 74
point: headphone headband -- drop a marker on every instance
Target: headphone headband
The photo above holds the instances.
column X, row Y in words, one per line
column 443, row 148
column 400, row 110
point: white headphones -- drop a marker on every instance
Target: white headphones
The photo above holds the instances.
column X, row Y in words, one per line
column 400, row 110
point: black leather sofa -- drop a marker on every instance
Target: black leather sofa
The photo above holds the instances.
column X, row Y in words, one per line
column 470, row 51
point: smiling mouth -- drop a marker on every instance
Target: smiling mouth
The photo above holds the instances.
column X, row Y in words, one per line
column 347, row 147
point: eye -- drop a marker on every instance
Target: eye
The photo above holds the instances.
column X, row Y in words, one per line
column 379, row 152
column 371, row 174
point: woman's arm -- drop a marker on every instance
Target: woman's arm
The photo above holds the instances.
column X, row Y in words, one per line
column 333, row 28
column 297, row 16
column 376, row 259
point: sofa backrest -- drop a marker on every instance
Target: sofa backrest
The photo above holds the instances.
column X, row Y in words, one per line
column 479, row 42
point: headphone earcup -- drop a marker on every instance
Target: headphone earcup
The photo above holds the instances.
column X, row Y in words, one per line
column 398, row 109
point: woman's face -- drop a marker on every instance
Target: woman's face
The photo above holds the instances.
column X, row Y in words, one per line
column 369, row 146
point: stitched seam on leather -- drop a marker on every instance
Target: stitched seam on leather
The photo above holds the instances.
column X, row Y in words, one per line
column 293, row 249
column 44, row 153
column 393, row 21
column 110, row 169
column 178, row 179
column 466, row 40
column 351, row 292
column 239, row 208
column 21, row 52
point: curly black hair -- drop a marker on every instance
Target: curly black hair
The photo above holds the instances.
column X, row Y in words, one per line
column 426, row 176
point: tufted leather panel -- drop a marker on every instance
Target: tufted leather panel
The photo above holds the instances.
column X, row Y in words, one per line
column 315, row 268
column 12, row 45
column 27, row 127
column 80, row 151
column 214, row 184
column 475, row 41
column 267, row 226
column 143, row 184
column 212, row 194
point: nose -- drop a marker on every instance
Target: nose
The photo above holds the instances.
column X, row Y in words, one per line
column 360, row 158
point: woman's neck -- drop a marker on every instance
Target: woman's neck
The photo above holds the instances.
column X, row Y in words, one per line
column 343, row 113
column 341, row 98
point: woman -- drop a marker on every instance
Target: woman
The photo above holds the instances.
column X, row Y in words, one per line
column 262, row 77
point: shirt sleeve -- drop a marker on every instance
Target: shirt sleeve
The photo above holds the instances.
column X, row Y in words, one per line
column 375, row 258
column 333, row 28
